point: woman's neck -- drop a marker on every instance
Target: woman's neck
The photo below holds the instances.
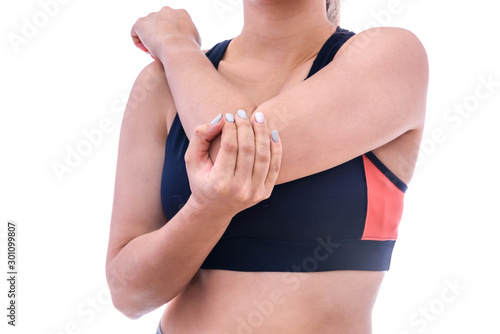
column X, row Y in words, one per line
column 288, row 31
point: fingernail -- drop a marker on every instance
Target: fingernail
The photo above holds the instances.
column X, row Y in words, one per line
column 230, row 117
column 259, row 117
column 274, row 135
column 216, row 119
column 242, row 114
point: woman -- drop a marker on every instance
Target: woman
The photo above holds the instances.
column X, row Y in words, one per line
column 310, row 257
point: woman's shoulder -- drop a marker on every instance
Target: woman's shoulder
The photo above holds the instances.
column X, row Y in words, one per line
column 388, row 35
column 388, row 60
column 386, row 47
column 151, row 87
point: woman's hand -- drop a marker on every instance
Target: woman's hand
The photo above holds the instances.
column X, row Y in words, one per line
column 153, row 32
column 245, row 170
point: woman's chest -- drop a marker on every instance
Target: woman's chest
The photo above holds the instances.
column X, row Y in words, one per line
column 260, row 82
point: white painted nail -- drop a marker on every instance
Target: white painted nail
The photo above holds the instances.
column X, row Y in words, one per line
column 216, row 119
column 230, row 117
column 274, row 135
column 259, row 117
column 242, row 114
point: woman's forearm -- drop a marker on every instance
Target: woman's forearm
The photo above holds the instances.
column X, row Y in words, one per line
column 153, row 268
column 371, row 93
column 198, row 90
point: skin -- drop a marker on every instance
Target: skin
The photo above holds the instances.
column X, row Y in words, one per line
column 371, row 97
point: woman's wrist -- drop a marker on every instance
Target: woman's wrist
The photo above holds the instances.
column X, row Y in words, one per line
column 176, row 47
column 211, row 214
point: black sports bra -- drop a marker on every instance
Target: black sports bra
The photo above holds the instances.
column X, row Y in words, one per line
column 343, row 218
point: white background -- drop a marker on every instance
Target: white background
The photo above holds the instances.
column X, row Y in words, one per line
column 76, row 71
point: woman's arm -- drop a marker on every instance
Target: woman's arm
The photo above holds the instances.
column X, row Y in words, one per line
column 371, row 93
column 150, row 262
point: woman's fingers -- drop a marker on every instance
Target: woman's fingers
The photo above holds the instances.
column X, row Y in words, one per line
column 249, row 155
column 262, row 148
column 135, row 36
column 225, row 163
column 197, row 152
column 150, row 32
column 246, row 168
column 275, row 163
column 246, row 147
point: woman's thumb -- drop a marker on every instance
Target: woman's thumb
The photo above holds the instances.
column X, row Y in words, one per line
column 202, row 137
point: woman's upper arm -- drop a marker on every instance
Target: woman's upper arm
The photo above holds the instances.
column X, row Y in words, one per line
column 137, row 205
column 373, row 91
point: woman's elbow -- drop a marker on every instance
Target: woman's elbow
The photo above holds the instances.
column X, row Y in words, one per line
column 134, row 305
column 130, row 297
column 123, row 294
column 128, row 309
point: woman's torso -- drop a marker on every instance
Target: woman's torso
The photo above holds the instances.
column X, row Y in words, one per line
column 329, row 302
column 223, row 301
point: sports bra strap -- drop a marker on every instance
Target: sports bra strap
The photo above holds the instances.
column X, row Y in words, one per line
column 215, row 54
column 330, row 49
column 324, row 57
